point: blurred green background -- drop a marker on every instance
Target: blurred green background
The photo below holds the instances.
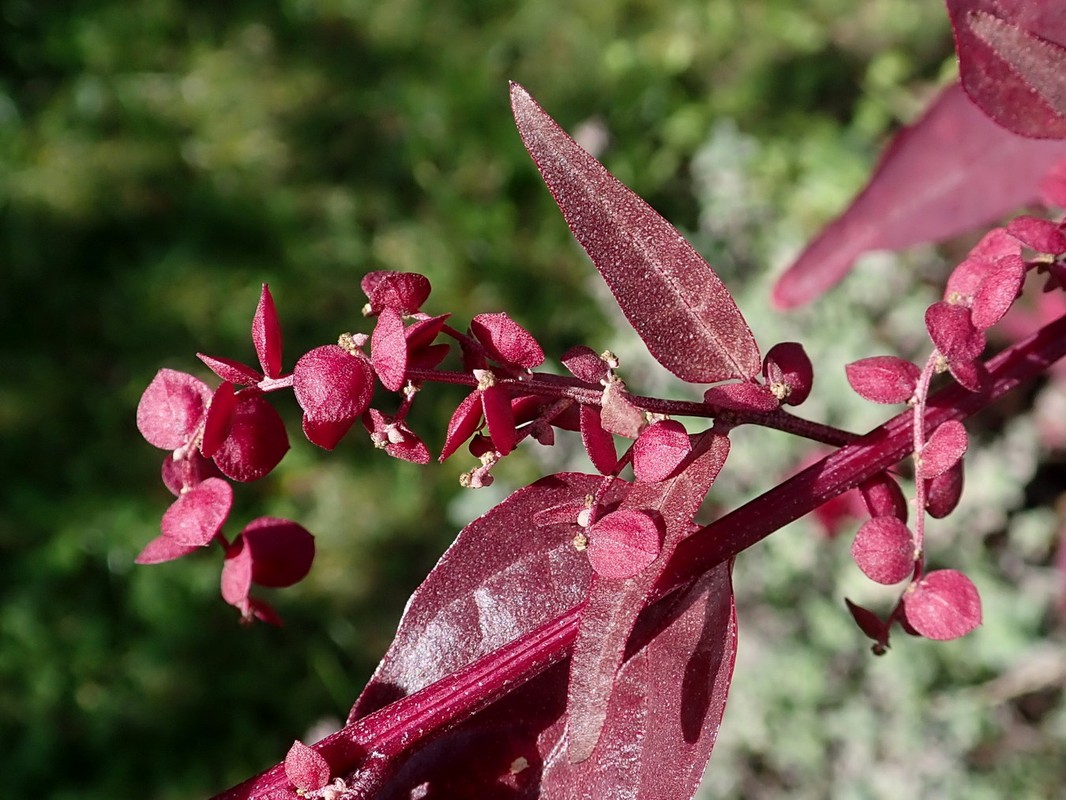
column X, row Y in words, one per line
column 162, row 159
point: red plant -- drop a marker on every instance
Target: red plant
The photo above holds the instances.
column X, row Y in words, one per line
column 578, row 640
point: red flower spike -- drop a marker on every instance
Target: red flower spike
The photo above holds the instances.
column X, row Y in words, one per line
column 884, row 550
column 266, row 335
column 305, row 768
column 883, row 379
column 942, row 493
column 585, row 364
column 333, row 388
column 281, row 551
column 789, row 372
column 618, row 415
column 870, row 624
column 953, row 332
column 1041, row 235
column 742, row 397
column 623, row 543
column 257, row 441
column 465, row 420
column 506, row 341
column 172, row 408
column 395, row 438
column 884, row 497
column 496, row 403
column 187, row 472
column 388, row 350
column 599, row 444
column 943, row 605
column 403, row 292
column 162, row 548
column 229, row 370
column 943, row 450
column 1012, row 56
column 197, row 516
column 219, row 420
column 998, row 292
column 966, row 278
column 659, row 450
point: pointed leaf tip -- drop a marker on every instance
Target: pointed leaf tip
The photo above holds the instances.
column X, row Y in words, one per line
column 673, row 299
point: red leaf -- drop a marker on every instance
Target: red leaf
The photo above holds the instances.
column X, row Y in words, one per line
column 670, row 295
column 188, row 471
column 197, row 516
column 333, row 388
column 496, row 403
column 789, row 372
column 172, row 408
column 943, row 605
column 388, row 350
column 951, row 171
column 742, row 397
column 599, row 444
column 997, row 292
column 266, row 335
column 659, row 450
column 236, row 579
column 395, row 438
column 943, row 492
column 618, row 414
column 506, row 341
column 403, row 292
column 229, row 370
column 1041, row 235
column 953, row 332
column 883, row 497
column 422, row 332
column 943, row 450
column 1053, row 185
column 967, row 277
column 884, row 550
column 281, row 551
column 500, row 578
column 257, row 441
column 585, row 364
column 623, row 543
column 219, row 419
column 464, row 422
column 1013, row 62
column 869, row 623
column 306, row 768
column 883, row 379
column 162, row 548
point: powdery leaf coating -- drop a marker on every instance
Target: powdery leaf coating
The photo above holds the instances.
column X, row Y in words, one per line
column 1012, row 58
column 496, row 403
column 953, row 332
column 659, row 450
column 219, row 419
column 669, row 294
column 506, row 341
column 943, row 605
column 172, row 408
column 618, row 414
column 884, row 550
column 281, row 551
column 945, row 447
column 788, row 366
column 943, row 492
column 388, row 350
column 884, row 497
column 623, row 543
column 585, row 364
column 257, row 441
column 997, row 292
column 951, row 171
column 883, row 379
column 266, row 335
column 197, row 516
column 403, row 292
column 742, row 397
column 162, row 548
column 306, row 768
column 229, row 370
column 465, row 420
column 599, row 444
column 333, row 388
column 1041, row 235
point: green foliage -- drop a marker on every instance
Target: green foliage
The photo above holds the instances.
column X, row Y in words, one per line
column 162, row 159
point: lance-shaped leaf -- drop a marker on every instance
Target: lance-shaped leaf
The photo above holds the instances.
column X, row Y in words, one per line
column 502, row 577
column 670, row 295
column 1012, row 60
column 951, row 171
column 613, row 605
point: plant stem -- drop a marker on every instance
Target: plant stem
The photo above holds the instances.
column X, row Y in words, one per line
column 441, row 705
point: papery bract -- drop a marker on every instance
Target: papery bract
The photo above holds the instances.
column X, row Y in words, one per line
column 884, row 550
column 997, row 292
column 943, row 605
column 506, row 341
column 172, row 408
column 623, row 543
column 883, row 379
column 599, row 444
column 884, row 497
column 257, row 441
column 496, row 405
column 953, row 332
column 282, row 551
column 789, row 372
column 305, row 768
column 659, row 450
column 943, row 492
column 618, row 414
column 388, row 350
column 403, row 292
column 585, row 363
column 942, row 451
column 395, row 438
column 669, row 294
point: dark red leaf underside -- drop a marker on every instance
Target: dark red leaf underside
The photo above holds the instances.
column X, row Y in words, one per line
column 953, row 170
column 613, row 605
column 666, row 290
column 1012, row 61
